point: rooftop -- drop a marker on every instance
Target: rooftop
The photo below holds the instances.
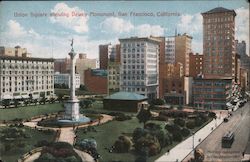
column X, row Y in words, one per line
column 126, row 96
column 218, row 10
column 26, row 58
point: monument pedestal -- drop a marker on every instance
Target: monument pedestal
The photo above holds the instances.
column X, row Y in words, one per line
column 72, row 110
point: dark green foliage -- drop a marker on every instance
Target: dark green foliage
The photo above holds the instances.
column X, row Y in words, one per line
column 198, row 121
column 158, row 101
column 144, row 115
column 174, row 113
column 190, row 124
column 212, row 115
column 138, row 132
column 177, row 136
column 150, row 142
column 172, row 128
column 179, row 121
column 123, row 144
column 58, row 152
column 185, row 132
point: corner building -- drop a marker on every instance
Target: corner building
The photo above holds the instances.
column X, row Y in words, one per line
column 219, row 43
column 21, row 77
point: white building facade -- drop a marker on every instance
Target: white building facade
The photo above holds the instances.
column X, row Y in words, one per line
column 170, row 50
column 140, row 66
column 65, row 79
column 22, row 77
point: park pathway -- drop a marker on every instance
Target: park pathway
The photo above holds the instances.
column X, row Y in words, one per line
column 67, row 135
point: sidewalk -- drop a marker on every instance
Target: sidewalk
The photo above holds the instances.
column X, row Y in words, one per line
column 180, row 151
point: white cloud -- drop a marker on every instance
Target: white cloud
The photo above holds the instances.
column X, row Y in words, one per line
column 76, row 23
column 191, row 24
column 116, row 25
column 242, row 25
column 146, row 30
column 15, row 29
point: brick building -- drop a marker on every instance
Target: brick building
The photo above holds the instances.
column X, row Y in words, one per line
column 96, row 80
column 219, row 43
column 195, row 65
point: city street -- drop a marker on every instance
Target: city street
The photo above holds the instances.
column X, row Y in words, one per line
column 239, row 124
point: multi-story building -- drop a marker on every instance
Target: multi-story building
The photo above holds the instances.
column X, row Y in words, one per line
column 170, row 50
column 17, row 51
column 140, row 66
column 211, row 93
column 182, row 49
column 108, row 52
column 96, row 80
column 82, row 63
column 113, row 77
column 61, row 79
column 21, row 77
column 195, row 65
column 173, row 81
column 61, row 66
column 219, row 43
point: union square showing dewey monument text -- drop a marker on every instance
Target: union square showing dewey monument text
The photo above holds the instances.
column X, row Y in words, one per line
column 124, row 81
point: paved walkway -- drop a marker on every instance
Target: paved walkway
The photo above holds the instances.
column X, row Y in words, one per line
column 67, row 135
column 180, row 151
column 33, row 157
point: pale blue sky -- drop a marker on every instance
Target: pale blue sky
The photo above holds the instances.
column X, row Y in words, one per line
column 43, row 37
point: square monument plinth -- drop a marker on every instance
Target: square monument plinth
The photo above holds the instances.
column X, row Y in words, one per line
column 72, row 110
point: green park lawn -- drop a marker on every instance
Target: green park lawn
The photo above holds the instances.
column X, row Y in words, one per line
column 15, row 153
column 29, row 111
column 108, row 133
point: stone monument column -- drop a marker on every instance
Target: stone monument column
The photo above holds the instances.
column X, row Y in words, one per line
column 72, row 105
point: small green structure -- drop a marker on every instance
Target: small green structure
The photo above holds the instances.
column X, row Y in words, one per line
column 124, row 101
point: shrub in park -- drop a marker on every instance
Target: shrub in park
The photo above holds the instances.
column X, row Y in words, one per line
column 158, row 101
column 190, row 124
column 177, row 136
column 172, row 128
column 138, row 133
column 148, row 142
column 185, row 132
column 198, row 121
column 123, row 144
column 179, row 121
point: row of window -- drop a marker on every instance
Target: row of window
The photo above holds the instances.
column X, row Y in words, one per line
column 16, row 89
column 27, row 72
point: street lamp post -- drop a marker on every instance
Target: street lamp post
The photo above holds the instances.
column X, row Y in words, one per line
column 193, row 141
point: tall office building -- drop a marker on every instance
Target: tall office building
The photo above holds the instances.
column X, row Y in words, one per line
column 219, row 43
column 140, row 66
column 182, row 49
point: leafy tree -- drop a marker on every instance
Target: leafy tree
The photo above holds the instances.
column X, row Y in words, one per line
column 179, row 121
column 177, row 136
column 190, row 124
column 185, row 132
column 144, row 115
column 6, row 103
column 123, row 144
column 149, row 143
column 158, row 101
column 16, row 102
